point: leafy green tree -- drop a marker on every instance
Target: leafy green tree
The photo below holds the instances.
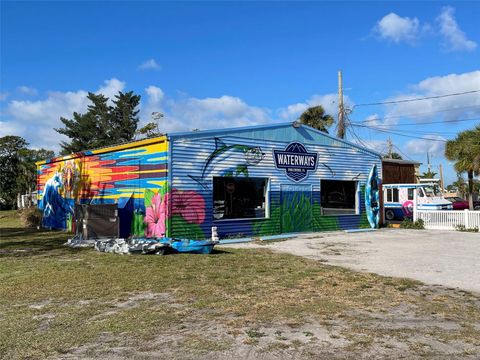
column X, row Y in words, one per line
column 150, row 130
column 102, row 124
column 19, row 171
column 10, row 148
column 459, row 186
column 315, row 117
column 27, row 170
column 465, row 151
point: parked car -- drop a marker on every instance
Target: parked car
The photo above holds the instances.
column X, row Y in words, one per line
column 462, row 204
column 458, row 203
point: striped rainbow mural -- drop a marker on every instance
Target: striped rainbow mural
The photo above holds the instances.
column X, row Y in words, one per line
column 127, row 175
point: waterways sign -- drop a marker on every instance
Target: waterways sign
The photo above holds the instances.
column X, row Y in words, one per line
column 296, row 161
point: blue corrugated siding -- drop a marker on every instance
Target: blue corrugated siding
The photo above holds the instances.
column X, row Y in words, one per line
column 191, row 193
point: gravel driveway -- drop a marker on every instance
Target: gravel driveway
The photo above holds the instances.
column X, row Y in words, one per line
column 447, row 258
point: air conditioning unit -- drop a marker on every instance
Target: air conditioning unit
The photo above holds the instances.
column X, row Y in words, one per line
column 97, row 221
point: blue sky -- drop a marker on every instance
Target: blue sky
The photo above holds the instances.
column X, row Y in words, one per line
column 215, row 64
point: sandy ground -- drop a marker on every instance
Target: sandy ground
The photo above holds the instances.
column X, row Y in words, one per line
column 447, row 258
column 405, row 335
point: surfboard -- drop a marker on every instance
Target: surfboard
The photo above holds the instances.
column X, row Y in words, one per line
column 372, row 198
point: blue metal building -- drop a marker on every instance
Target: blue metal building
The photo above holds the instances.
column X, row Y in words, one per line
column 265, row 180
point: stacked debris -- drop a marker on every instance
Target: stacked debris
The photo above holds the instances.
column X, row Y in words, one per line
column 131, row 246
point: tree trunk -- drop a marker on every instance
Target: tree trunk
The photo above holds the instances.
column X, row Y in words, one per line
column 470, row 189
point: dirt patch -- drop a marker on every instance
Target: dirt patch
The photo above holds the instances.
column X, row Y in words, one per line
column 404, row 331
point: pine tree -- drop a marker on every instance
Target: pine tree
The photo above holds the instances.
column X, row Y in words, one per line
column 102, row 124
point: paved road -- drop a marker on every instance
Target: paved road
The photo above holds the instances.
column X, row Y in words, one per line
column 444, row 258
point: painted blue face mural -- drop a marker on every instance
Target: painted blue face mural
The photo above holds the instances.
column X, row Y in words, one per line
column 215, row 163
column 55, row 207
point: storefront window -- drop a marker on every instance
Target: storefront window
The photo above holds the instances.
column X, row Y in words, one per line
column 338, row 197
column 239, row 198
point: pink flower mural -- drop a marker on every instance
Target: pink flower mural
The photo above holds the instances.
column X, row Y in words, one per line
column 188, row 204
column 156, row 215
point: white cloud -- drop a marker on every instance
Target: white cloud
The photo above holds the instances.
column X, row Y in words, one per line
column 149, row 64
column 36, row 120
column 397, row 29
column 111, row 88
column 435, row 147
column 210, row 113
column 10, row 128
column 444, row 108
column 26, row 90
column 155, row 94
column 454, row 38
column 328, row 101
column 376, row 145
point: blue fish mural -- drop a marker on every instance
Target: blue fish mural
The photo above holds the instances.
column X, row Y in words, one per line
column 252, row 155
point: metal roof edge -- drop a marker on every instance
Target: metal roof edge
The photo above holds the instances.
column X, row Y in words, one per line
column 102, row 150
column 228, row 130
column 267, row 126
column 344, row 141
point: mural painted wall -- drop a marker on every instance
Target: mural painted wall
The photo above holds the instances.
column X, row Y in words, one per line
column 196, row 161
column 135, row 178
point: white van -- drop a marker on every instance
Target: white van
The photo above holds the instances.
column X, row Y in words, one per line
column 399, row 199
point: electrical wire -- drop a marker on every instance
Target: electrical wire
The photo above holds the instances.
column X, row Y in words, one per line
column 417, row 123
column 416, row 99
column 401, row 152
column 425, row 113
column 388, row 127
column 399, row 134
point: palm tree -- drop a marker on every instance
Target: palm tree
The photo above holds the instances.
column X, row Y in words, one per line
column 465, row 151
column 315, row 117
column 428, row 174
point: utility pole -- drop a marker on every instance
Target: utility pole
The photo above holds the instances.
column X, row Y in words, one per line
column 441, row 177
column 389, row 147
column 341, row 112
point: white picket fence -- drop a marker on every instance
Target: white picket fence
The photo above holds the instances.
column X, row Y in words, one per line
column 448, row 219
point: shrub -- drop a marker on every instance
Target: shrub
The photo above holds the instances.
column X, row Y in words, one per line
column 465, row 229
column 30, row 217
column 409, row 224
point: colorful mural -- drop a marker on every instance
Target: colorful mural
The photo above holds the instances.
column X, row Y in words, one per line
column 127, row 175
column 215, row 163
column 160, row 196
column 289, row 211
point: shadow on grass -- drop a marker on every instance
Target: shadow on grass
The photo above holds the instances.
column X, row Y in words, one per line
column 29, row 242
column 219, row 252
column 22, row 242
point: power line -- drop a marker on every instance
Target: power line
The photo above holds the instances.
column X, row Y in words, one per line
column 420, row 114
column 387, row 127
column 416, row 99
column 401, row 152
column 417, row 123
column 397, row 133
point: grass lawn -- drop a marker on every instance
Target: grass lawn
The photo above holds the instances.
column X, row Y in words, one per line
column 77, row 303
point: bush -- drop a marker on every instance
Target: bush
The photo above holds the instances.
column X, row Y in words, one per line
column 465, row 229
column 409, row 224
column 30, row 217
